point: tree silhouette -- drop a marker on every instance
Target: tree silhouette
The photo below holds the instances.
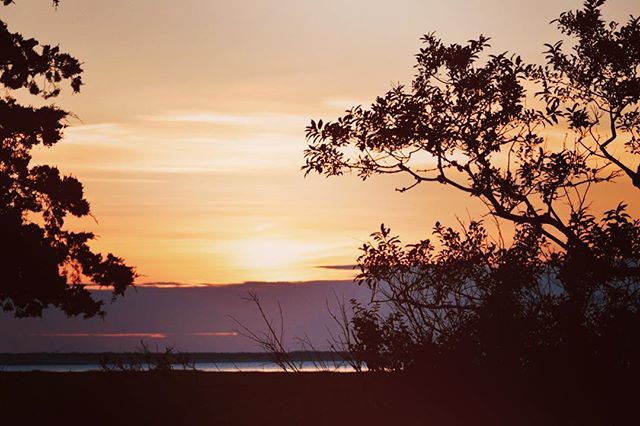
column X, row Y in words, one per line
column 465, row 123
column 567, row 289
column 42, row 263
column 597, row 85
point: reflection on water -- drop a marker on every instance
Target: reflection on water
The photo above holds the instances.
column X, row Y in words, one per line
column 245, row 366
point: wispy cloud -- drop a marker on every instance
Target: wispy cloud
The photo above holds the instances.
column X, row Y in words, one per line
column 109, row 335
column 264, row 143
column 271, row 119
column 97, row 133
column 338, row 267
column 215, row 334
column 139, row 335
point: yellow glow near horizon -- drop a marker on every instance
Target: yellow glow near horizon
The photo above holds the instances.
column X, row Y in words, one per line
column 269, row 254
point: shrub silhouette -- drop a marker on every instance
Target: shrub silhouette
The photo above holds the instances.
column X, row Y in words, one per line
column 521, row 306
column 146, row 359
column 42, row 263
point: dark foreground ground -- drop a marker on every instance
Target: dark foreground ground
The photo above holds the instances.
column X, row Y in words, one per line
column 186, row 398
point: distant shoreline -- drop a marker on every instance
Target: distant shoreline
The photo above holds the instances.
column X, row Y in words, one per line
column 76, row 358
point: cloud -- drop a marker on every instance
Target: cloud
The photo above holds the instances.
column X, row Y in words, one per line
column 338, row 267
column 97, row 134
column 215, row 334
column 271, row 119
column 110, row 335
column 139, row 335
column 163, row 145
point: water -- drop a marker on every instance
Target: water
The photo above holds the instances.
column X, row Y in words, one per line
column 244, row 366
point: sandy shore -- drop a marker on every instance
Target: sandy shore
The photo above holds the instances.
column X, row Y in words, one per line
column 186, row 398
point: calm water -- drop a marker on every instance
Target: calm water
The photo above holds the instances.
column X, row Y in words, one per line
column 200, row 366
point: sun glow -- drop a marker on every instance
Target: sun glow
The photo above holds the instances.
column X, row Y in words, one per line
column 269, row 254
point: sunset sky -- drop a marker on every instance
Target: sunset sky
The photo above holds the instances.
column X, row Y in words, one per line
column 190, row 127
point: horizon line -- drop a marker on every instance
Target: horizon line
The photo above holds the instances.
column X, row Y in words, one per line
column 176, row 284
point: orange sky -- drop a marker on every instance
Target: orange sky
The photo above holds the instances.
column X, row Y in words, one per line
column 191, row 123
